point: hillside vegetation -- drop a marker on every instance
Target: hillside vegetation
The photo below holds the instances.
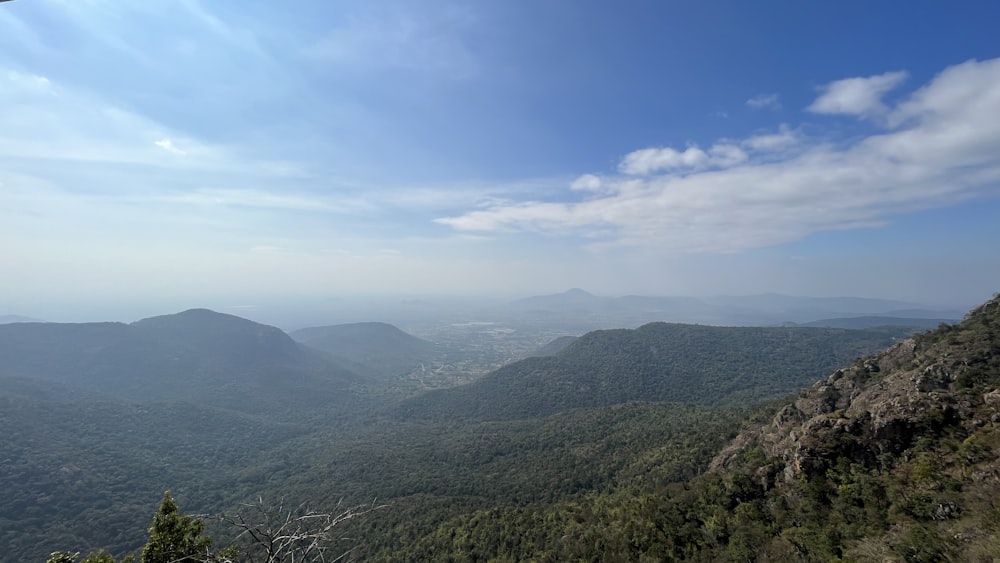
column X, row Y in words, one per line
column 657, row 362
column 644, row 447
column 197, row 356
column 377, row 349
column 895, row 457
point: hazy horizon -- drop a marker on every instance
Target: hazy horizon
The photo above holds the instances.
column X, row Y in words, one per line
column 290, row 313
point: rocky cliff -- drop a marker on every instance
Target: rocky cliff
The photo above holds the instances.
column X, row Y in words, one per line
column 944, row 380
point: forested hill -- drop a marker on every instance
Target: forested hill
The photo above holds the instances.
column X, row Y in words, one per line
column 379, row 349
column 895, row 457
column 198, row 356
column 656, row 362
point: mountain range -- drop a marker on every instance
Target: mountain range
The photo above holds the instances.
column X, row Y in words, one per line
column 198, row 356
column 665, row 442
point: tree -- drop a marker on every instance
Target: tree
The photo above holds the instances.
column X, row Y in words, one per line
column 175, row 537
column 265, row 534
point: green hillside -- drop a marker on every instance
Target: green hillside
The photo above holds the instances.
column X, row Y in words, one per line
column 198, row 356
column 656, row 362
column 892, row 458
column 87, row 474
column 889, row 457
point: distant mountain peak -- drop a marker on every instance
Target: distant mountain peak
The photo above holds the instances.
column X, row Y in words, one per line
column 198, row 316
column 198, row 312
column 577, row 292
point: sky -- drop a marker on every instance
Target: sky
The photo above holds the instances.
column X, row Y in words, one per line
column 192, row 153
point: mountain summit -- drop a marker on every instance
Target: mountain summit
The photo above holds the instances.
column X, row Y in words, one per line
column 198, row 356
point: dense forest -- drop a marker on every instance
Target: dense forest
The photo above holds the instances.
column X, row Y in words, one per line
column 684, row 453
column 657, row 362
column 893, row 458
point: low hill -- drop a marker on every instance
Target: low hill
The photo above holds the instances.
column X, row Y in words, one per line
column 379, row 349
column 656, row 362
column 198, row 356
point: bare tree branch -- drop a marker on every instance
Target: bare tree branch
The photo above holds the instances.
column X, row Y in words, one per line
column 276, row 535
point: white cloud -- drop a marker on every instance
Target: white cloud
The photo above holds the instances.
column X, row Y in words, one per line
column 649, row 161
column 46, row 120
column 29, row 84
column 764, row 101
column 767, row 142
column 945, row 149
column 857, row 96
column 725, row 155
column 168, row 145
column 586, row 183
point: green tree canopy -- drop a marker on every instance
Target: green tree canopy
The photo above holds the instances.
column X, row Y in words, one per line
column 175, row 537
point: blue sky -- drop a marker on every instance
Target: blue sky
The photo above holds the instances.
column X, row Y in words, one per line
column 233, row 152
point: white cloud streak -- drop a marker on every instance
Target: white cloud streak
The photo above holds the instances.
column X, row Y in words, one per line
column 945, row 149
column 784, row 138
column 45, row 120
column 425, row 41
column 764, row 101
column 168, row 145
column 648, row 161
column 861, row 97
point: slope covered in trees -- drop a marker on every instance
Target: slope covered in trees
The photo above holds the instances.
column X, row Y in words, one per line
column 197, row 356
column 82, row 475
column 892, row 458
column 656, row 362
